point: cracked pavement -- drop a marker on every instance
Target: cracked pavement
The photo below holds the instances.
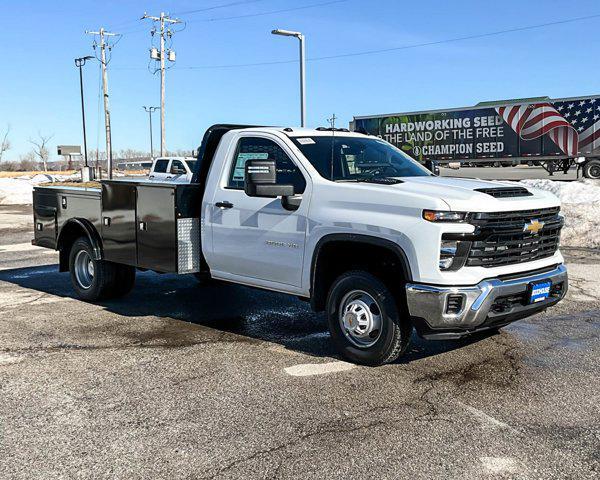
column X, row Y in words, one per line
column 182, row 381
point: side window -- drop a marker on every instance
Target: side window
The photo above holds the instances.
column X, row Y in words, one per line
column 256, row 148
column 161, row 166
column 177, row 167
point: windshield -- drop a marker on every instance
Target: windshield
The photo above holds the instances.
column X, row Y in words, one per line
column 358, row 159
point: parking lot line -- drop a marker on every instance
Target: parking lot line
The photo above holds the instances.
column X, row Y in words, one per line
column 485, row 419
column 23, row 247
column 308, row 369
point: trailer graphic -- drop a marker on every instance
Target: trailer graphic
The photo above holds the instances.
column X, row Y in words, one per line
column 552, row 132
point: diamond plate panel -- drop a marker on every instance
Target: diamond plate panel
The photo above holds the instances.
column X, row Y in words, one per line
column 188, row 245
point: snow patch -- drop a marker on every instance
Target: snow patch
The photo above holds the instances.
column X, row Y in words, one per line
column 19, row 190
column 580, row 205
column 15, row 191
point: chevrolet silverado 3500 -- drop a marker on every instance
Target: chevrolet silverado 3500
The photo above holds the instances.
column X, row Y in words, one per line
column 344, row 220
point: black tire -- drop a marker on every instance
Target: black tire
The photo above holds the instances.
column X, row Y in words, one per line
column 591, row 169
column 102, row 283
column 395, row 327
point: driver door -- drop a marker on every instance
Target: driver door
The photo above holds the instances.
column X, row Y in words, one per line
column 254, row 238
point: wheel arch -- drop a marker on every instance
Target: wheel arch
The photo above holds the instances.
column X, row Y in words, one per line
column 71, row 231
column 320, row 275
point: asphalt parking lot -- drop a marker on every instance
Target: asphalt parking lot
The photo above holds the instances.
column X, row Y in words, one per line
column 182, row 381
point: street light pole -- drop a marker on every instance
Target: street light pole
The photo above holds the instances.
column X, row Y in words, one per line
column 300, row 37
column 150, row 110
column 79, row 63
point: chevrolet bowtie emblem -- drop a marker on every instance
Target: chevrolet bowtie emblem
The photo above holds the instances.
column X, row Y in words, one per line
column 534, row 226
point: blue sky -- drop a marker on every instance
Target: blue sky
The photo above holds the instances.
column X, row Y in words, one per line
column 39, row 88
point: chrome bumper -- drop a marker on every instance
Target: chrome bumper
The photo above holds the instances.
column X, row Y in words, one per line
column 481, row 303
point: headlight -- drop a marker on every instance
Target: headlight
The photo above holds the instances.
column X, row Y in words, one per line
column 443, row 216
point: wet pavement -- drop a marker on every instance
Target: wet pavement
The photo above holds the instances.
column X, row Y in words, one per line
column 179, row 380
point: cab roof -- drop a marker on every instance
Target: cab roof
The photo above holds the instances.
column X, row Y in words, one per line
column 304, row 132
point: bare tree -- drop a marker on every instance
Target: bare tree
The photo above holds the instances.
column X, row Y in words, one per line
column 130, row 153
column 41, row 148
column 5, row 145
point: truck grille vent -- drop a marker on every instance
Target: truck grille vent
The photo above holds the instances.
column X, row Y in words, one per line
column 505, row 192
column 503, row 240
column 454, row 304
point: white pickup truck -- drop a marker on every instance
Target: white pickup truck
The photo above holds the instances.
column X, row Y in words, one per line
column 343, row 220
column 172, row 169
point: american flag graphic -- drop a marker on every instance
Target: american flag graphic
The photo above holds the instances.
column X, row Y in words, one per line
column 574, row 126
column 584, row 116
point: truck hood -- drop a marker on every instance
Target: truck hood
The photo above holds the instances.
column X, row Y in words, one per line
column 461, row 194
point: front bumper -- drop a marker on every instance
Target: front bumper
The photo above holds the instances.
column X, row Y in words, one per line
column 489, row 304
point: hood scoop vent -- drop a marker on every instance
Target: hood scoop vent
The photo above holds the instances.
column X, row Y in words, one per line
column 505, row 192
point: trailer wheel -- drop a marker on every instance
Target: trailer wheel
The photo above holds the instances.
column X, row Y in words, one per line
column 591, row 169
column 365, row 322
column 92, row 279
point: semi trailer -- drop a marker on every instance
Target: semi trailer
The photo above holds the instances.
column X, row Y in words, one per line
column 343, row 220
column 554, row 133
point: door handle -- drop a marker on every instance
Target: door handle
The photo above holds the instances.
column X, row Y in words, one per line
column 224, row 204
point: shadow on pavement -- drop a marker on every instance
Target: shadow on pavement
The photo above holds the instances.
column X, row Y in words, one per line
column 253, row 313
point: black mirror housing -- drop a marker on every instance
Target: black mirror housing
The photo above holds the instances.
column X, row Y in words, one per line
column 260, row 180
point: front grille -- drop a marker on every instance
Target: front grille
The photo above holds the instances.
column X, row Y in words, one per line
column 505, row 192
column 500, row 238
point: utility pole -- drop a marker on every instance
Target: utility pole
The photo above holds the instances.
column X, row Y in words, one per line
column 103, row 44
column 150, row 110
column 162, row 19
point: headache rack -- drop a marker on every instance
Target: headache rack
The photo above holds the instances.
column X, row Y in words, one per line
column 503, row 239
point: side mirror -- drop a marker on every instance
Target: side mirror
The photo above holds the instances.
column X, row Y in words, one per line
column 260, row 180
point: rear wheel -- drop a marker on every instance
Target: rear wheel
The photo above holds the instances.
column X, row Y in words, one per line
column 365, row 320
column 97, row 279
column 591, row 169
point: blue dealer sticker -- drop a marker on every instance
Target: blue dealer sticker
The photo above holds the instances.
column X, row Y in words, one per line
column 540, row 292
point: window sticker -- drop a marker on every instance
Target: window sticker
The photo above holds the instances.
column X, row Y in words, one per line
column 240, row 163
column 306, row 141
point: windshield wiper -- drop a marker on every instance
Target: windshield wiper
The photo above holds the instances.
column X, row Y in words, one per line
column 380, row 180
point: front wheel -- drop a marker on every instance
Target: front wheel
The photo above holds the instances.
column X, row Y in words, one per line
column 365, row 320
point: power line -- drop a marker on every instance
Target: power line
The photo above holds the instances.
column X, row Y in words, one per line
column 271, row 12
column 404, row 47
column 187, row 12
column 250, row 15
column 231, row 4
